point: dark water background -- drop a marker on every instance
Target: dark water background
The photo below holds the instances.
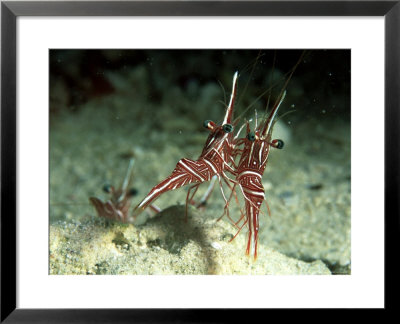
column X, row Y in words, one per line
column 324, row 75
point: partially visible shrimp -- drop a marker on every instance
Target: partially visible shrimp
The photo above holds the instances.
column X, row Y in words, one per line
column 117, row 207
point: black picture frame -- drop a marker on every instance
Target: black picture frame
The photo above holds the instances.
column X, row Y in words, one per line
column 10, row 10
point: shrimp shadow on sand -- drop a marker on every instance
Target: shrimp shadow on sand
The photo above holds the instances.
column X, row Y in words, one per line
column 192, row 237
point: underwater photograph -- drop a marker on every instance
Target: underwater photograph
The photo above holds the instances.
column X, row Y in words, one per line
column 203, row 161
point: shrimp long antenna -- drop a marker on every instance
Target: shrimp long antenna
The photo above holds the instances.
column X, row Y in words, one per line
column 272, row 115
column 283, row 115
column 270, row 80
column 128, row 175
column 260, row 96
column 289, row 73
column 241, row 127
column 253, row 64
column 224, row 92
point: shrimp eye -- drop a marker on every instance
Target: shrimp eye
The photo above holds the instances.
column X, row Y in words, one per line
column 227, row 128
column 251, row 136
column 279, row 144
column 132, row 192
column 209, row 124
column 206, row 123
column 107, row 188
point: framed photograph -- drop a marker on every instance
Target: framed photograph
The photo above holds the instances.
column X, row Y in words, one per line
column 177, row 155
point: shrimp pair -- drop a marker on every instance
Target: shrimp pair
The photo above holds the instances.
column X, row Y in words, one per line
column 218, row 158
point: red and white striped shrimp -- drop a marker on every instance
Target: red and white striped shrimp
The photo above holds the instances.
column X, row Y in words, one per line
column 214, row 160
column 250, row 169
column 253, row 158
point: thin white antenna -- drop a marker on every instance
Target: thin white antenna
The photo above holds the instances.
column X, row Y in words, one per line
column 128, row 175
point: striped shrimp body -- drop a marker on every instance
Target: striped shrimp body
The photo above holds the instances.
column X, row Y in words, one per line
column 251, row 166
column 214, row 160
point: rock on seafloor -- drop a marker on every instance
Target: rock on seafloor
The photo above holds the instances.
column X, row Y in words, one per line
column 166, row 244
